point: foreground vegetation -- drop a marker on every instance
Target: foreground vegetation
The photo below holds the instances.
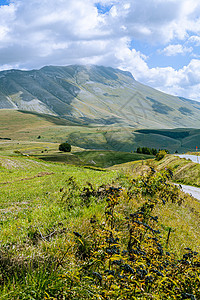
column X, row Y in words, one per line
column 74, row 232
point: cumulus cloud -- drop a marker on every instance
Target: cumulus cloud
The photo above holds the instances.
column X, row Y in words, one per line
column 35, row 33
column 184, row 82
column 195, row 40
column 173, row 50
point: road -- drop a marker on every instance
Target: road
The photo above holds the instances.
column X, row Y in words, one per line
column 192, row 190
column 194, row 158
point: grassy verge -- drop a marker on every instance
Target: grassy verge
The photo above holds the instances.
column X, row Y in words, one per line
column 56, row 221
column 184, row 171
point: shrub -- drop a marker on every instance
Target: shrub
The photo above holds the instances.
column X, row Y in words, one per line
column 161, row 154
column 123, row 255
column 65, row 147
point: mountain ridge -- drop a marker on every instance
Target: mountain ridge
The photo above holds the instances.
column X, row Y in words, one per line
column 95, row 95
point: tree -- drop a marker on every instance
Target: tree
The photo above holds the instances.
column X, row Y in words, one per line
column 154, row 151
column 65, row 147
column 139, row 150
column 146, row 150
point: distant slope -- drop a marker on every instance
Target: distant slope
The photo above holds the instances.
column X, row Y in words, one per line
column 95, row 95
column 31, row 126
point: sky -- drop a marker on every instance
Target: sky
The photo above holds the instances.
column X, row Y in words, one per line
column 158, row 41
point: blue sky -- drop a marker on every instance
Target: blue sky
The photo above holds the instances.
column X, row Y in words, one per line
column 158, row 41
column 4, row 2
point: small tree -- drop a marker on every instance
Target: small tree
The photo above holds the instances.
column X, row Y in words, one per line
column 65, row 147
column 154, row 151
column 139, row 150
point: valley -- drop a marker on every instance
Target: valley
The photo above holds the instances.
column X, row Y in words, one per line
column 95, row 107
column 29, row 126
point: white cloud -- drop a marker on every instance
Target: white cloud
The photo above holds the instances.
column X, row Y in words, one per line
column 173, row 50
column 195, row 40
column 35, row 33
column 184, row 82
column 32, row 25
column 162, row 20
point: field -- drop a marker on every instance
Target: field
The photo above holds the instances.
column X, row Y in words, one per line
column 78, row 156
column 35, row 127
column 73, row 229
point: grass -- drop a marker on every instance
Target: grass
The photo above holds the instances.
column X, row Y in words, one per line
column 184, row 171
column 49, row 152
column 27, row 126
column 109, row 158
column 43, row 203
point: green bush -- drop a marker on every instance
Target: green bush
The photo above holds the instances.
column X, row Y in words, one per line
column 65, row 147
column 124, row 256
column 161, row 154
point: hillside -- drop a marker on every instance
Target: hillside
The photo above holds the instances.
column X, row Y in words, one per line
column 95, row 95
column 184, row 171
column 79, row 233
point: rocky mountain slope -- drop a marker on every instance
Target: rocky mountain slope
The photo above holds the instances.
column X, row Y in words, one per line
column 95, row 95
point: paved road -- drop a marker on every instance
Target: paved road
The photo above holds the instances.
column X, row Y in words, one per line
column 192, row 190
column 194, row 158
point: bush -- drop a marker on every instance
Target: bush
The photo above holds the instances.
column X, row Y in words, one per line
column 65, row 147
column 161, row 154
column 123, row 255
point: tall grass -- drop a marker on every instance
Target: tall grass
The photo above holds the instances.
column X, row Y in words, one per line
column 55, row 232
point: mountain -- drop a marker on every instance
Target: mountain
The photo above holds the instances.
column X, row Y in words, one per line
column 95, row 95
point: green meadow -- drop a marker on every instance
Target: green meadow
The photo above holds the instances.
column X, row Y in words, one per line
column 35, row 127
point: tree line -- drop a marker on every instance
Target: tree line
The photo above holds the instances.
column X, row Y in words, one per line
column 149, row 151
